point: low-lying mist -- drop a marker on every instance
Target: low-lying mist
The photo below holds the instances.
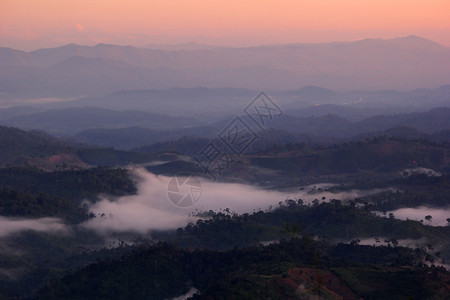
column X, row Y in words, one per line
column 151, row 208
column 439, row 216
column 14, row 225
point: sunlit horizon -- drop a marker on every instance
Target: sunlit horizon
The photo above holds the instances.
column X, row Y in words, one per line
column 30, row 25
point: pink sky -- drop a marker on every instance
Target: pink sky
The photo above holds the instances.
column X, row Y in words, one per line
column 31, row 24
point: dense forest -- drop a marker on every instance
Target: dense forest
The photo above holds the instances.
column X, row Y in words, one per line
column 223, row 254
column 286, row 270
column 328, row 247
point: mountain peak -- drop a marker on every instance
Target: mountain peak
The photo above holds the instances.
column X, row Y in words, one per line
column 104, row 45
column 417, row 41
column 414, row 41
column 410, row 41
column 70, row 45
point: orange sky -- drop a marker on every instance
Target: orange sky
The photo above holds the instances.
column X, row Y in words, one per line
column 30, row 24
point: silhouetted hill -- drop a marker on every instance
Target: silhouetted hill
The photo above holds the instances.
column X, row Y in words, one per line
column 78, row 76
column 321, row 129
column 442, row 136
column 192, row 145
column 311, row 92
column 72, row 120
column 183, row 46
column 174, row 101
column 12, row 57
column 19, row 148
column 431, row 121
column 381, row 154
column 185, row 144
column 134, row 137
column 16, row 143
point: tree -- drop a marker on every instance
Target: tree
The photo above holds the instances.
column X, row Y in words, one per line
column 428, row 218
column 394, row 242
column 355, row 242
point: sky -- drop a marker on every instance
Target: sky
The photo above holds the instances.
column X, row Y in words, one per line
column 33, row 24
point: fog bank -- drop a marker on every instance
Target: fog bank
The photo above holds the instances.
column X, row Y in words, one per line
column 439, row 215
column 152, row 209
column 13, row 225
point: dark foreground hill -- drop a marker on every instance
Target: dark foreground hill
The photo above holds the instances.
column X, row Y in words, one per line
column 281, row 270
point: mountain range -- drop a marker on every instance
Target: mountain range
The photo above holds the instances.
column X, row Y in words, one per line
column 74, row 71
column 433, row 124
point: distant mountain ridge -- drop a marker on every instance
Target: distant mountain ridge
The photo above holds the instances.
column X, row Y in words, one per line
column 432, row 121
column 433, row 124
column 304, row 102
column 183, row 46
column 138, row 55
column 366, row 64
column 73, row 120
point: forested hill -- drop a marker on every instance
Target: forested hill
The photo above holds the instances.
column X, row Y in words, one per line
column 297, row 265
column 19, row 148
column 16, row 143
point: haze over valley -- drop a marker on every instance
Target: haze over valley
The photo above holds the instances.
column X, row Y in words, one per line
column 224, row 150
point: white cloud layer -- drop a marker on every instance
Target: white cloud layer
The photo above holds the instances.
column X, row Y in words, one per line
column 439, row 215
column 13, row 225
column 151, row 208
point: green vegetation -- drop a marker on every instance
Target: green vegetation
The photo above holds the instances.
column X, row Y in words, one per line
column 331, row 249
column 328, row 221
column 30, row 192
column 16, row 203
column 72, row 184
column 277, row 271
column 381, row 154
column 241, row 267
column 414, row 191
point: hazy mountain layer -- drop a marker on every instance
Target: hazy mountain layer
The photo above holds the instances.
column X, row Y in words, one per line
column 72, row 70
